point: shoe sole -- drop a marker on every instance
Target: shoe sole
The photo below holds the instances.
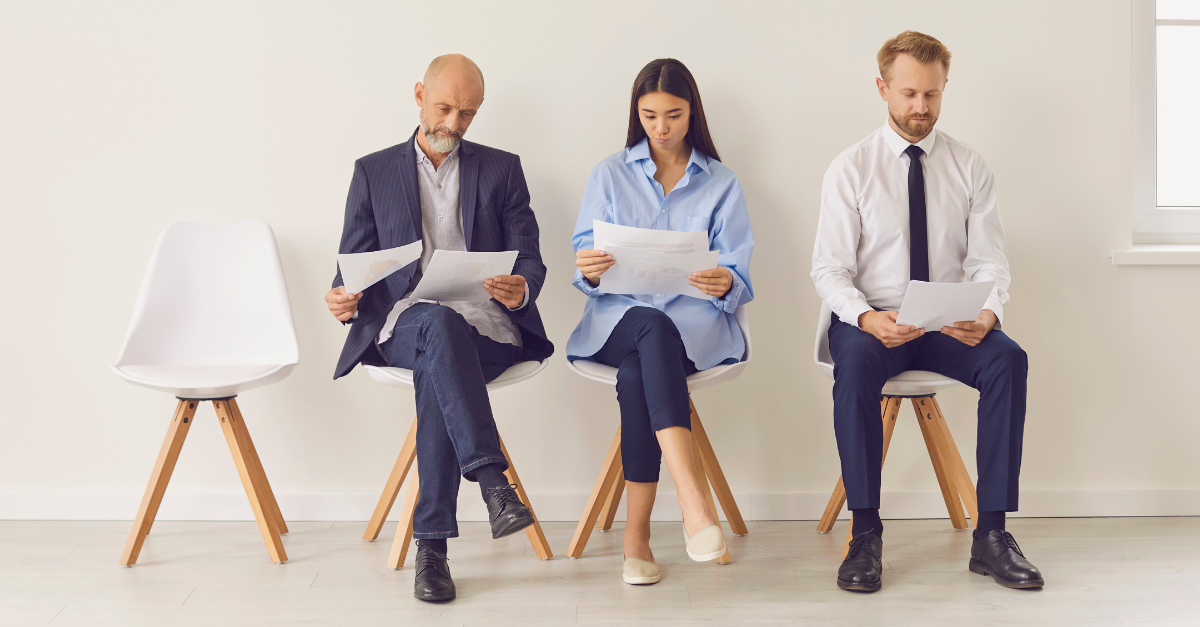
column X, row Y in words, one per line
column 435, row 599
column 978, row 568
column 640, row 581
column 707, row 558
column 859, row 587
column 514, row 528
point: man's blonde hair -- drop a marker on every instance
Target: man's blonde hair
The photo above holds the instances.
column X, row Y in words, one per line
column 922, row 47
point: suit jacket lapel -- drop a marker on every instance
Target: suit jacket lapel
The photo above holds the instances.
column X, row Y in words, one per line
column 468, row 181
column 410, row 192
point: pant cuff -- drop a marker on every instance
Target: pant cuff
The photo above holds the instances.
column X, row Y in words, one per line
column 642, row 473
column 466, row 470
column 435, row 535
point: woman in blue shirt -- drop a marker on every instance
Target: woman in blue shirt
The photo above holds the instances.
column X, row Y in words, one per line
column 668, row 177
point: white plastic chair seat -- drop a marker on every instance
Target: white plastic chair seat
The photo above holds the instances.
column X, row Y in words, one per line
column 196, row 381
column 717, row 374
column 402, row 377
column 907, row 383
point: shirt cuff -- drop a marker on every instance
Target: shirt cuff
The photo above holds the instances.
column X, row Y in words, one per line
column 729, row 302
column 993, row 303
column 584, row 286
column 850, row 312
column 355, row 316
column 524, row 301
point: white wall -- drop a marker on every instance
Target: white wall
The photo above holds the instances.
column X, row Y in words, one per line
column 118, row 119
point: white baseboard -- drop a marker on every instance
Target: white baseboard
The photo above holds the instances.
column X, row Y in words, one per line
column 232, row 505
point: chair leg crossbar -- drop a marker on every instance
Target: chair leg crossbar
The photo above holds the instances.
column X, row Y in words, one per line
column 245, row 457
column 610, row 485
column 948, row 465
column 404, row 468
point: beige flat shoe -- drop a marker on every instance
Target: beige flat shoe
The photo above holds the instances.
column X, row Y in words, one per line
column 640, row 572
column 708, row 544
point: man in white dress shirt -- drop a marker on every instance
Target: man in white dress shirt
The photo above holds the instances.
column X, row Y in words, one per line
column 912, row 203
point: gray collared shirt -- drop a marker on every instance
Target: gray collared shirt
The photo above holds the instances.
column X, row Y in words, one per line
column 442, row 228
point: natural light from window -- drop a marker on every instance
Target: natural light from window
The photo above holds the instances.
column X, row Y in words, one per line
column 1177, row 31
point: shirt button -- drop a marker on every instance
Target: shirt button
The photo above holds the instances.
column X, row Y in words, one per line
column 439, row 185
column 439, row 218
column 658, row 295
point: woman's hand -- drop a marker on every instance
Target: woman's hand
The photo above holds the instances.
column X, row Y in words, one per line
column 593, row 263
column 715, row 282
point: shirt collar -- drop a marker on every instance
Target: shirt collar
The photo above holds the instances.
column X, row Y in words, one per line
column 641, row 151
column 898, row 144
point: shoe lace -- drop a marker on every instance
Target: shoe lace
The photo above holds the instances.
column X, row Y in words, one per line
column 505, row 495
column 856, row 544
column 1011, row 543
column 428, row 558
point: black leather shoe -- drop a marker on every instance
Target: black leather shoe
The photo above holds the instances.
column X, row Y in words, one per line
column 433, row 582
column 998, row 555
column 506, row 511
column 863, row 569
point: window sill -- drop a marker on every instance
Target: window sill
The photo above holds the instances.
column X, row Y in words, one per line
column 1158, row 255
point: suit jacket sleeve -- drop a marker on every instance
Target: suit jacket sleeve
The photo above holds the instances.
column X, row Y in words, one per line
column 521, row 234
column 358, row 232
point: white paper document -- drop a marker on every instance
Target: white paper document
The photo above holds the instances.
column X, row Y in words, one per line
column 362, row 270
column 931, row 306
column 606, row 234
column 637, row 271
column 455, row 275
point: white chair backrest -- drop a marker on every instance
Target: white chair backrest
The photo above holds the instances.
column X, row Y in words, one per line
column 213, row 294
column 743, row 320
column 821, row 353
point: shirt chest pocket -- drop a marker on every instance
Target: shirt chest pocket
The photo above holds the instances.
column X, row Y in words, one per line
column 691, row 224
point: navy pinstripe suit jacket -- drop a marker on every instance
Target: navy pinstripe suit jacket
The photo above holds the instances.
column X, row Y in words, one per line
column 383, row 211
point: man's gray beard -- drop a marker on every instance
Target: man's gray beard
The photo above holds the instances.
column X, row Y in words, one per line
column 910, row 130
column 441, row 143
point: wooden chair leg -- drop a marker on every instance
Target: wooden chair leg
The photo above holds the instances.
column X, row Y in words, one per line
column 159, row 478
column 889, row 409
column 951, row 454
column 712, row 469
column 536, row 537
column 833, row 507
column 609, row 513
column 408, row 453
column 698, row 465
column 945, row 479
column 404, row 529
column 261, row 472
column 604, row 484
column 238, row 440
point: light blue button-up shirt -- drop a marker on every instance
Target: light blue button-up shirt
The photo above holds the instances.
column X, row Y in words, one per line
column 622, row 190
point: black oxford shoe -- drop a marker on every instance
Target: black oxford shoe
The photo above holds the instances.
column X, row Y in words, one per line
column 998, row 555
column 506, row 512
column 433, row 582
column 863, row 569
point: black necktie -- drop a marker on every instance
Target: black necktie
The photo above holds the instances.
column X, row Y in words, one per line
column 918, row 232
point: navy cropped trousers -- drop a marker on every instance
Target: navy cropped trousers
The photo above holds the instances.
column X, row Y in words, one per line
column 652, row 370
column 997, row 367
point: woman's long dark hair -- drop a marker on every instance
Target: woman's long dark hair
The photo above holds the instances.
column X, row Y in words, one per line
column 672, row 77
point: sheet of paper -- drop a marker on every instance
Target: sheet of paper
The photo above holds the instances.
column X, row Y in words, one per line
column 362, row 270
column 454, row 275
column 638, row 271
column 931, row 306
column 606, row 235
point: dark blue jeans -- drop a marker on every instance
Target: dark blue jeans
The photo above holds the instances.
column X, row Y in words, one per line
column 997, row 367
column 456, row 433
column 652, row 369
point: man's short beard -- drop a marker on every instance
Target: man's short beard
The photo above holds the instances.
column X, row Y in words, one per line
column 441, row 143
column 910, row 129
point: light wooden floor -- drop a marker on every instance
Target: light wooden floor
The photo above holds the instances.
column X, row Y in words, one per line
column 1114, row 571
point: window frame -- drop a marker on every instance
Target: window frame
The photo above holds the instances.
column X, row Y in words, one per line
column 1152, row 224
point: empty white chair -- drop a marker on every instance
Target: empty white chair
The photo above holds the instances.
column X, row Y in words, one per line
column 921, row 387
column 606, row 494
column 403, row 377
column 212, row 320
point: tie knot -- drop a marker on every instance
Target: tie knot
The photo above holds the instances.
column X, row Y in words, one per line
column 914, row 152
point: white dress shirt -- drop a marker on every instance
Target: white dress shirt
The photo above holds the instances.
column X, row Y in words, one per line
column 442, row 228
column 861, row 257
